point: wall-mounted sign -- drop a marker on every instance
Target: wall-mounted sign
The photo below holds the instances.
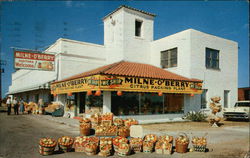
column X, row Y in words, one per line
column 120, row 83
column 37, row 61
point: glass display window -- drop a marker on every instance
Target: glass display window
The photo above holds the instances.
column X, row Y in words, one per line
column 126, row 104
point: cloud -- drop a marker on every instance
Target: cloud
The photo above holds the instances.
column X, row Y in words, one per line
column 68, row 3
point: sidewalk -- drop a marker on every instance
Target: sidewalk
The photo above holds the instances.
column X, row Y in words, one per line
column 61, row 120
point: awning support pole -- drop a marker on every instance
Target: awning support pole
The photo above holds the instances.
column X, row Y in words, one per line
column 106, row 102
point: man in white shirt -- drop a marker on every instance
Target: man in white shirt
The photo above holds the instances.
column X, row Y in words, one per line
column 8, row 103
column 16, row 106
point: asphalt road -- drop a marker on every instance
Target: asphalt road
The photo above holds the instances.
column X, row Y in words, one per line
column 19, row 137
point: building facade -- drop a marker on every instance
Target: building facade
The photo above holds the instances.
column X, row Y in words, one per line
column 128, row 35
column 243, row 93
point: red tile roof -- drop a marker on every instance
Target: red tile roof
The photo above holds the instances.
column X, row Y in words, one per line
column 132, row 69
column 128, row 7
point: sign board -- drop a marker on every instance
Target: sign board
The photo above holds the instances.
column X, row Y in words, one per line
column 36, row 61
column 121, row 83
column 76, row 85
column 149, row 85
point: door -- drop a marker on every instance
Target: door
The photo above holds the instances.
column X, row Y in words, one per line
column 226, row 98
column 82, row 102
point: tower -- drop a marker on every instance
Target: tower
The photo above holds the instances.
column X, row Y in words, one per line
column 128, row 31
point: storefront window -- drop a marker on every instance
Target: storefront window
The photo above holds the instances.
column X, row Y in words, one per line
column 151, row 104
column 94, row 104
column 174, row 103
column 132, row 103
column 71, row 102
column 127, row 104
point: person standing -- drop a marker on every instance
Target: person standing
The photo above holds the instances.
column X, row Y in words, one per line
column 8, row 103
column 15, row 103
column 21, row 105
column 40, row 106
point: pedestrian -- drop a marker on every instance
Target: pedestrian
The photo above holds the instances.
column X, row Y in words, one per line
column 40, row 106
column 21, row 105
column 8, row 103
column 15, row 103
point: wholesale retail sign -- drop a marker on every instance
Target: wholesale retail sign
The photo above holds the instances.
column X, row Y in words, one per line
column 36, row 61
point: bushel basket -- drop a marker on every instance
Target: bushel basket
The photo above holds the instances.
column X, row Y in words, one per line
column 79, row 148
column 65, row 148
column 46, row 150
column 84, row 131
column 181, row 148
column 199, row 148
column 136, row 148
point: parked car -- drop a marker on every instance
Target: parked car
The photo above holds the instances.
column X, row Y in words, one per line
column 239, row 111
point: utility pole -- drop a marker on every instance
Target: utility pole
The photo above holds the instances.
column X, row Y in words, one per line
column 0, row 57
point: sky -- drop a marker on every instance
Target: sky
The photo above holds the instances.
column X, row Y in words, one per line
column 38, row 24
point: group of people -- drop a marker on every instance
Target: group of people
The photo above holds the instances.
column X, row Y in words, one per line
column 16, row 104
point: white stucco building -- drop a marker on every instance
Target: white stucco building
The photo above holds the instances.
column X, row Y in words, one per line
column 128, row 35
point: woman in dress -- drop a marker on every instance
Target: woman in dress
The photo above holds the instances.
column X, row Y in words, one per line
column 21, row 105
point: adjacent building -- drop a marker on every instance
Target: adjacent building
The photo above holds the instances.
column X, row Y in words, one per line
column 128, row 38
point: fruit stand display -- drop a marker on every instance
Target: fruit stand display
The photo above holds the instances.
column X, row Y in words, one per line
column 162, row 147
column 47, row 146
column 199, row 143
column 181, row 143
column 166, row 139
column 215, row 106
column 151, row 138
column 91, row 148
column 107, row 119
column 123, row 131
column 79, row 143
column 85, row 125
column 65, row 143
column 106, row 130
column 164, row 144
column 136, row 144
column 123, row 149
column 121, row 144
column 148, row 146
column 130, row 121
column 95, row 120
column 117, row 141
column 105, row 146
column 31, row 107
column 118, row 122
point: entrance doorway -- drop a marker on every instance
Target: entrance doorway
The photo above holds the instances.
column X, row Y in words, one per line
column 82, row 96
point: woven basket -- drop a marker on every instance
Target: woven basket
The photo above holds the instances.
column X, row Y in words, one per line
column 200, row 148
column 123, row 152
column 79, row 148
column 159, row 151
column 84, row 131
column 147, row 149
column 91, row 148
column 94, row 124
column 90, row 151
column 104, row 153
column 46, row 150
column 136, row 148
column 181, row 148
column 65, row 148
column 115, row 147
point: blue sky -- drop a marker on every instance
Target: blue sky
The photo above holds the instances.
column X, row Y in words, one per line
column 39, row 24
